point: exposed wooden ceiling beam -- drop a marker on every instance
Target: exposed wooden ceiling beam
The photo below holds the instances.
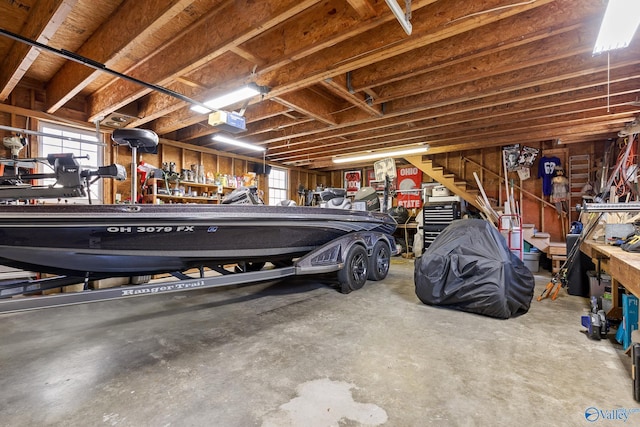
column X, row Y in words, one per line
column 338, row 86
column 313, row 106
column 556, row 106
column 293, row 42
column 541, row 52
column 43, row 22
column 459, row 101
column 363, row 7
column 198, row 46
column 527, row 27
column 431, row 23
column 110, row 43
column 507, row 137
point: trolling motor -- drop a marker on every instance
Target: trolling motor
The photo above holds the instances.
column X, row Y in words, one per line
column 596, row 322
column 243, row 196
column 15, row 144
column 71, row 179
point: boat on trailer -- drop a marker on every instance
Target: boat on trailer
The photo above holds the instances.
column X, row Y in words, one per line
column 79, row 242
column 122, row 240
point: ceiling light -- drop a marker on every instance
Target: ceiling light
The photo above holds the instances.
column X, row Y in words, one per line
column 620, row 22
column 241, row 94
column 237, row 143
column 380, row 154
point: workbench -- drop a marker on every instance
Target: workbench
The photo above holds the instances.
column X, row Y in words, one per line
column 622, row 266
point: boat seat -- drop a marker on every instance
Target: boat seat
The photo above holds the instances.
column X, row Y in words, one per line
column 143, row 139
column 338, row 203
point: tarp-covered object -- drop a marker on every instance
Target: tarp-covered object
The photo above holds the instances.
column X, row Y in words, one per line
column 470, row 268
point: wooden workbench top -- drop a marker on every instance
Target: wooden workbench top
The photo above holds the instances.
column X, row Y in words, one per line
column 622, row 266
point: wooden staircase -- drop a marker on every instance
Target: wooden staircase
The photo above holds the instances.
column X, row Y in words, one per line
column 437, row 173
column 557, row 251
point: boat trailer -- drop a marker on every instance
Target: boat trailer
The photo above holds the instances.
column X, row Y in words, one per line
column 356, row 257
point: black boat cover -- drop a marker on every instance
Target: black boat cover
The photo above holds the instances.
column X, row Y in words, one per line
column 470, row 268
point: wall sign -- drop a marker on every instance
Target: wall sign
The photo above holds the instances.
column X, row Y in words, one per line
column 410, row 187
column 352, row 181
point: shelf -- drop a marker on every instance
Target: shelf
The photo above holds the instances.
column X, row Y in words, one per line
column 193, row 199
column 211, row 189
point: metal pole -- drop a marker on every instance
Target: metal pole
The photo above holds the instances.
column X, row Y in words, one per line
column 134, row 174
column 609, row 207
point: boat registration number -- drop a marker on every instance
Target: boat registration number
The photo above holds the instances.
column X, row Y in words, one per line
column 149, row 229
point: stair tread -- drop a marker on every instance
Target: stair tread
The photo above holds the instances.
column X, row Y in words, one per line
column 541, row 235
column 557, row 248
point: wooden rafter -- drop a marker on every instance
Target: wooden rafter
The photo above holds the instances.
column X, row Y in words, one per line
column 44, row 21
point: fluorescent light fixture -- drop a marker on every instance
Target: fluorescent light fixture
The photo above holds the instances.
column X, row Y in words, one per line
column 380, row 154
column 241, row 94
column 619, row 24
column 237, row 143
column 402, row 17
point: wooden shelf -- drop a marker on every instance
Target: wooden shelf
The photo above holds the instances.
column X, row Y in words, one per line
column 214, row 192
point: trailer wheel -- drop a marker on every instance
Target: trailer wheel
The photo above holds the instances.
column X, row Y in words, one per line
column 354, row 273
column 379, row 261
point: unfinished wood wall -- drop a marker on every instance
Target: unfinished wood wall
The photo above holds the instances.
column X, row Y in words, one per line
column 487, row 164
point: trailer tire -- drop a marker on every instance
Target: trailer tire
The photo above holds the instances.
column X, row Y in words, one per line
column 379, row 261
column 353, row 275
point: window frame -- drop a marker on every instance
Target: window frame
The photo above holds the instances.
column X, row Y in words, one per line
column 92, row 147
column 277, row 192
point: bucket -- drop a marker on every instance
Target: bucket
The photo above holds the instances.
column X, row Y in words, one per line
column 514, row 241
column 532, row 261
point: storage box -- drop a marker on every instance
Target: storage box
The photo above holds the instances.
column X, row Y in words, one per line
column 110, row 282
column 607, row 302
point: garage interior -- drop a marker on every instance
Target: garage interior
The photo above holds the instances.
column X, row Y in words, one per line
column 448, row 89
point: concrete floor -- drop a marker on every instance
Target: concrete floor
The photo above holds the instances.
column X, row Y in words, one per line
column 298, row 353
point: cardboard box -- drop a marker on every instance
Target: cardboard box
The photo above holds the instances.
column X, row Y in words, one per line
column 110, row 282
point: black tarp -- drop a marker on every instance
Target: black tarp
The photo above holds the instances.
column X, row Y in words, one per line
column 470, row 268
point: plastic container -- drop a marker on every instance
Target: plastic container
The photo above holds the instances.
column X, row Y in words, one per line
column 607, row 302
column 532, row 261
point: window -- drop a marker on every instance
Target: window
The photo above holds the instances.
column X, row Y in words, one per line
column 72, row 143
column 278, row 187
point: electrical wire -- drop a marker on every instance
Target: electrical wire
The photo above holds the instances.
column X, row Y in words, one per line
column 495, row 9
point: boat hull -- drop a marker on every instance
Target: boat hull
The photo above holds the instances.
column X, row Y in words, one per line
column 149, row 239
